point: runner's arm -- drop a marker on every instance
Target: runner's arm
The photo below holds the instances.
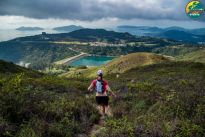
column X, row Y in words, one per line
column 109, row 90
column 90, row 88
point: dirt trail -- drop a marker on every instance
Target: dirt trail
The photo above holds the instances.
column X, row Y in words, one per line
column 97, row 128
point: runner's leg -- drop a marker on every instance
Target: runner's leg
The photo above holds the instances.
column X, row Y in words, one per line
column 103, row 109
column 107, row 109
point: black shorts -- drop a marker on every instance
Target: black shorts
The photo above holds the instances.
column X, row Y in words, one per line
column 102, row 100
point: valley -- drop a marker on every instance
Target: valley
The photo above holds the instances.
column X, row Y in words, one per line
column 41, row 51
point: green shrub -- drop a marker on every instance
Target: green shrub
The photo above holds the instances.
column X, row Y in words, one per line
column 26, row 131
column 188, row 129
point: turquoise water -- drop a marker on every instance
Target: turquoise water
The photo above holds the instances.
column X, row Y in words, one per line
column 92, row 61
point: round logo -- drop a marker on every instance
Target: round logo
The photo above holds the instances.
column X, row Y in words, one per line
column 194, row 9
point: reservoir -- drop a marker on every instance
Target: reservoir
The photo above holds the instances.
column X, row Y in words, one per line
column 92, row 61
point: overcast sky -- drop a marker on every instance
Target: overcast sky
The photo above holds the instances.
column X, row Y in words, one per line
column 95, row 13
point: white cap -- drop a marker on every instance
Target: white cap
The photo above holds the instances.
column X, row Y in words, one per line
column 100, row 73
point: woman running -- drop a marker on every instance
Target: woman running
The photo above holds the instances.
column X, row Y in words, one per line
column 101, row 86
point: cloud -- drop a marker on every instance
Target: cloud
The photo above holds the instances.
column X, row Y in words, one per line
column 89, row 10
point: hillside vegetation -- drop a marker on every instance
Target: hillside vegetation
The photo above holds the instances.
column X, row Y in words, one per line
column 177, row 50
column 160, row 100
column 154, row 99
column 196, row 56
column 133, row 60
column 36, row 105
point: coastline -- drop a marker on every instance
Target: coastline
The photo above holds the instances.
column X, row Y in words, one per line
column 69, row 60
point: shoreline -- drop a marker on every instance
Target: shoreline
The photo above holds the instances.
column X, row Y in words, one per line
column 69, row 60
column 103, row 55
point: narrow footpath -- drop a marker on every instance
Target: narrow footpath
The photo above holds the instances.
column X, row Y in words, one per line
column 97, row 128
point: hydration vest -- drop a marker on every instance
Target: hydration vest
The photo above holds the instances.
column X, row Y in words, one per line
column 100, row 86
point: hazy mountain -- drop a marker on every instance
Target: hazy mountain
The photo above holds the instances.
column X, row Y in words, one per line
column 181, row 36
column 200, row 31
column 176, row 33
column 68, row 28
column 174, row 28
column 141, row 30
column 29, row 28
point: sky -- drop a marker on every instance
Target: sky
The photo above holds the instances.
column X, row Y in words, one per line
column 96, row 13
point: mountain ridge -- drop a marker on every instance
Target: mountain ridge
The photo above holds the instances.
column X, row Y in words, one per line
column 160, row 32
column 29, row 28
column 69, row 28
column 81, row 35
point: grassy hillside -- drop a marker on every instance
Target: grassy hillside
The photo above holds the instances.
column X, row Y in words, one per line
column 133, row 60
column 154, row 99
column 36, row 105
column 176, row 50
column 121, row 64
column 159, row 100
column 196, row 56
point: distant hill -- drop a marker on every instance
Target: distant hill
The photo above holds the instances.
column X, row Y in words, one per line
column 189, row 35
column 27, row 97
column 139, row 30
column 196, row 56
column 124, row 63
column 145, row 30
column 82, row 35
column 174, row 28
column 200, row 31
column 68, row 28
column 29, row 28
column 181, row 36
column 133, row 60
column 101, row 34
